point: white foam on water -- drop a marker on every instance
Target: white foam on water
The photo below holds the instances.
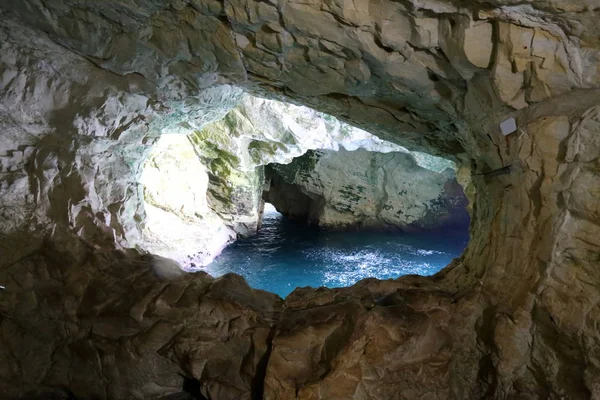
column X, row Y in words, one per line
column 423, row 252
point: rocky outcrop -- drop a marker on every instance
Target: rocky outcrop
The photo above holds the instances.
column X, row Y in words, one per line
column 74, row 140
column 363, row 189
column 120, row 326
column 88, row 86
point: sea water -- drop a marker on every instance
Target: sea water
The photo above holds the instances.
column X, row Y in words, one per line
column 286, row 254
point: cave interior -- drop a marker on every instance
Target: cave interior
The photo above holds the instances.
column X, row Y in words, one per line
column 88, row 89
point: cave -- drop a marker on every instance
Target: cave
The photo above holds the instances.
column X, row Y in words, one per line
column 331, row 190
column 507, row 91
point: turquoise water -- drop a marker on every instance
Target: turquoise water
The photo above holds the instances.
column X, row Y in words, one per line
column 287, row 254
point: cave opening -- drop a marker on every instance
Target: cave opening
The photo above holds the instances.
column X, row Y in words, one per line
column 288, row 197
column 88, row 87
column 286, row 253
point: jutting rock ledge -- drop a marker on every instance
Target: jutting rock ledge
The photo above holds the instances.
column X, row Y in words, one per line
column 88, row 87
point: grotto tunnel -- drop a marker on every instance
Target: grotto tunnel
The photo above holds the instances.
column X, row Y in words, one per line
column 204, row 190
column 94, row 303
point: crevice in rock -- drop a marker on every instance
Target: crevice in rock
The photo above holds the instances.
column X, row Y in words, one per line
column 260, row 374
column 487, row 373
column 193, row 387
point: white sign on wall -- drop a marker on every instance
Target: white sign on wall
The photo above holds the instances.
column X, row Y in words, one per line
column 508, row 126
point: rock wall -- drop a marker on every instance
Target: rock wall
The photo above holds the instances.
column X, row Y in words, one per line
column 87, row 87
column 363, row 189
column 74, row 139
column 179, row 223
column 117, row 326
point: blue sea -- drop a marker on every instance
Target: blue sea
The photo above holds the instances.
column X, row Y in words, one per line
column 286, row 254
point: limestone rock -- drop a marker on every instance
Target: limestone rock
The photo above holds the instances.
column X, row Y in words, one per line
column 259, row 132
column 479, row 45
column 532, row 65
column 347, row 190
column 125, row 326
column 86, row 88
column 204, row 189
column 80, row 117
column 179, row 223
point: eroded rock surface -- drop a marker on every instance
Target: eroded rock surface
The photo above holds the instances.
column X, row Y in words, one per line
column 88, row 86
column 363, row 189
column 204, row 189
column 179, row 223
column 119, row 326
column 259, row 132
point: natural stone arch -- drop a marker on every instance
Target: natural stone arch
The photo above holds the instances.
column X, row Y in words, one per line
column 492, row 322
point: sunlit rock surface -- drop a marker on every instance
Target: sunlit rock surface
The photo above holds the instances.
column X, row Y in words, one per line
column 88, row 86
column 179, row 223
column 204, row 189
column 259, row 132
column 363, row 189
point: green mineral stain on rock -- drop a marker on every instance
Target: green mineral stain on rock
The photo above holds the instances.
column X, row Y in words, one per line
column 349, row 192
column 262, row 151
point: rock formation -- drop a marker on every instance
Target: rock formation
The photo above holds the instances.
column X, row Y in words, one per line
column 179, row 223
column 363, row 189
column 204, row 189
column 87, row 87
column 117, row 326
column 258, row 132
